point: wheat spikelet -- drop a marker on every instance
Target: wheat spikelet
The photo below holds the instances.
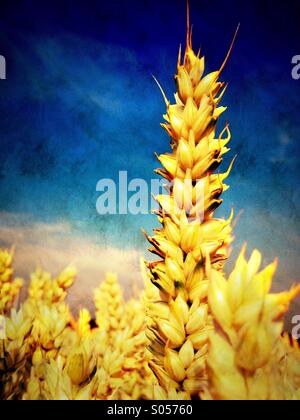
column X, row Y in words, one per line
column 47, row 291
column 171, row 394
column 179, row 322
column 109, row 304
column 50, row 317
column 247, row 358
column 14, row 350
column 123, row 371
column 83, row 326
column 9, row 288
column 47, row 354
column 52, row 381
column 66, row 370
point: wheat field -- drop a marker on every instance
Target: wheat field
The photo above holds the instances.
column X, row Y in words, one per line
column 192, row 332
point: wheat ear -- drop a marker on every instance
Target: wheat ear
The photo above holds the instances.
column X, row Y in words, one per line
column 190, row 237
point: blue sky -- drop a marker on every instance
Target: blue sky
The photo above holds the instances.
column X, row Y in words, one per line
column 80, row 104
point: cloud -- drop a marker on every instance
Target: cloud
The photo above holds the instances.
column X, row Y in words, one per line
column 53, row 246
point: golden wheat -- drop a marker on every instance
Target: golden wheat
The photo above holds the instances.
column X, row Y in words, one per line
column 47, row 354
column 179, row 323
column 247, row 358
column 9, row 288
column 109, row 304
column 191, row 332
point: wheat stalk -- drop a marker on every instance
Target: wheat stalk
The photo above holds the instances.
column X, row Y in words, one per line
column 247, row 357
column 123, row 371
column 205, row 336
column 9, row 288
column 179, row 323
column 109, row 304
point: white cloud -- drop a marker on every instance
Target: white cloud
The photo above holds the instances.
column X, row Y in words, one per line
column 54, row 246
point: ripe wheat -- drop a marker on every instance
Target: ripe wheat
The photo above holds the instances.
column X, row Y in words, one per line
column 180, row 322
column 191, row 333
column 248, row 359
